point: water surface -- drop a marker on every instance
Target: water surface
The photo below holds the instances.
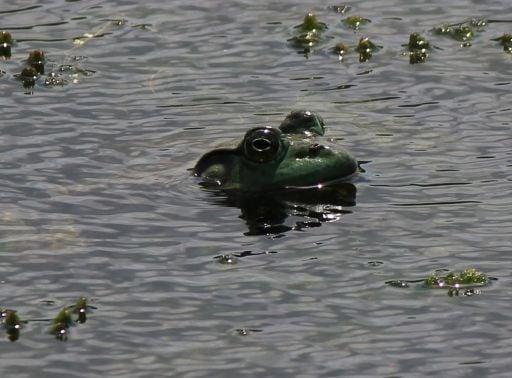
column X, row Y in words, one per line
column 96, row 198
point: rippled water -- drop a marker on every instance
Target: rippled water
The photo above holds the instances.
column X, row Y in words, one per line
column 96, row 199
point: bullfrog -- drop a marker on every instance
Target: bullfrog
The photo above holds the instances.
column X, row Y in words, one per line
column 275, row 158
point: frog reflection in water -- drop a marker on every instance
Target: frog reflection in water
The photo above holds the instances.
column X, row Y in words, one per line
column 278, row 172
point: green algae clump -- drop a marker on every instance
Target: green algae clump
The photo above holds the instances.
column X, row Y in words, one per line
column 468, row 277
column 226, row 259
column 463, row 31
column 12, row 324
column 6, row 42
column 340, row 9
column 28, row 77
column 80, row 309
column 354, row 22
column 466, row 283
column 506, row 41
column 417, row 42
column 340, row 49
column 61, row 324
column 365, row 48
column 311, row 23
column 36, row 59
column 309, row 33
column 418, row 48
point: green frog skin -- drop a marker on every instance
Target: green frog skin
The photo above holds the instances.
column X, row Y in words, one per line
column 270, row 158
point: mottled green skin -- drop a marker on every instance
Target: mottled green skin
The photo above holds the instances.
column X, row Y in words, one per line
column 299, row 161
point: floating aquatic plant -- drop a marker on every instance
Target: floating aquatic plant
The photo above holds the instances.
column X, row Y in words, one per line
column 28, row 77
column 305, row 40
column 226, row 259
column 311, row 23
column 36, row 59
column 354, row 22
column 80, row 309
column 365, row 48
column 465, row 283
column 310, row 31
column 417, row 42
column 341, row 9
column 463, row 31
column 418, row 48
column 6, row 42
column 506, row 41
column 61, row 324
column 11, row 323
column 456, row 279
column 340, row 49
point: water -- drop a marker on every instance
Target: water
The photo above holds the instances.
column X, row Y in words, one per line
column 96, row 199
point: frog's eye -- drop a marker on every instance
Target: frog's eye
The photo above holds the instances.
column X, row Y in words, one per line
column 303, row 122
column 262, row 145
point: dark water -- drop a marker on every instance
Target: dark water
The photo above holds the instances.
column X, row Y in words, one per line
column 96, row 199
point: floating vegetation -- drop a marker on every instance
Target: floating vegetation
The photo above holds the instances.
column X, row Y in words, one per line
column 61, row 324
column 457, row 279
column 341, row 9
column 226, row 259
column 365, row 48
column 6, row 42
column 506, row 41
column 417, row 42
column 465, row 283
column 354, row 22
column 80, row 308
column 398, row 283
column 36, row 60
column 418, row 48
column 67, row 71
column 309, row 33
column 311, row 23
column 464, row 31
column 305, row 40
column 246, row 331
column 11, row 323
column 28, row 77
column 341, row 50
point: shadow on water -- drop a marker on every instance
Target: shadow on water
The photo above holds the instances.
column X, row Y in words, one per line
column 266, row 213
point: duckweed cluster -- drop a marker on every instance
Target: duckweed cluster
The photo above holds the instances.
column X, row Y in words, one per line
column 418, row 47
column 60, row 324
column 506, row 41
column 6, row 42
column 470, row 277
column 309, row 33
column 464, row 31
column 365, row 48
column 34, row 67
column 465, row 283
column 61, row 74
column 354, row 22
column 12, row 324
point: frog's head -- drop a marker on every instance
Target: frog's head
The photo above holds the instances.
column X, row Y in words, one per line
column 270, row 158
